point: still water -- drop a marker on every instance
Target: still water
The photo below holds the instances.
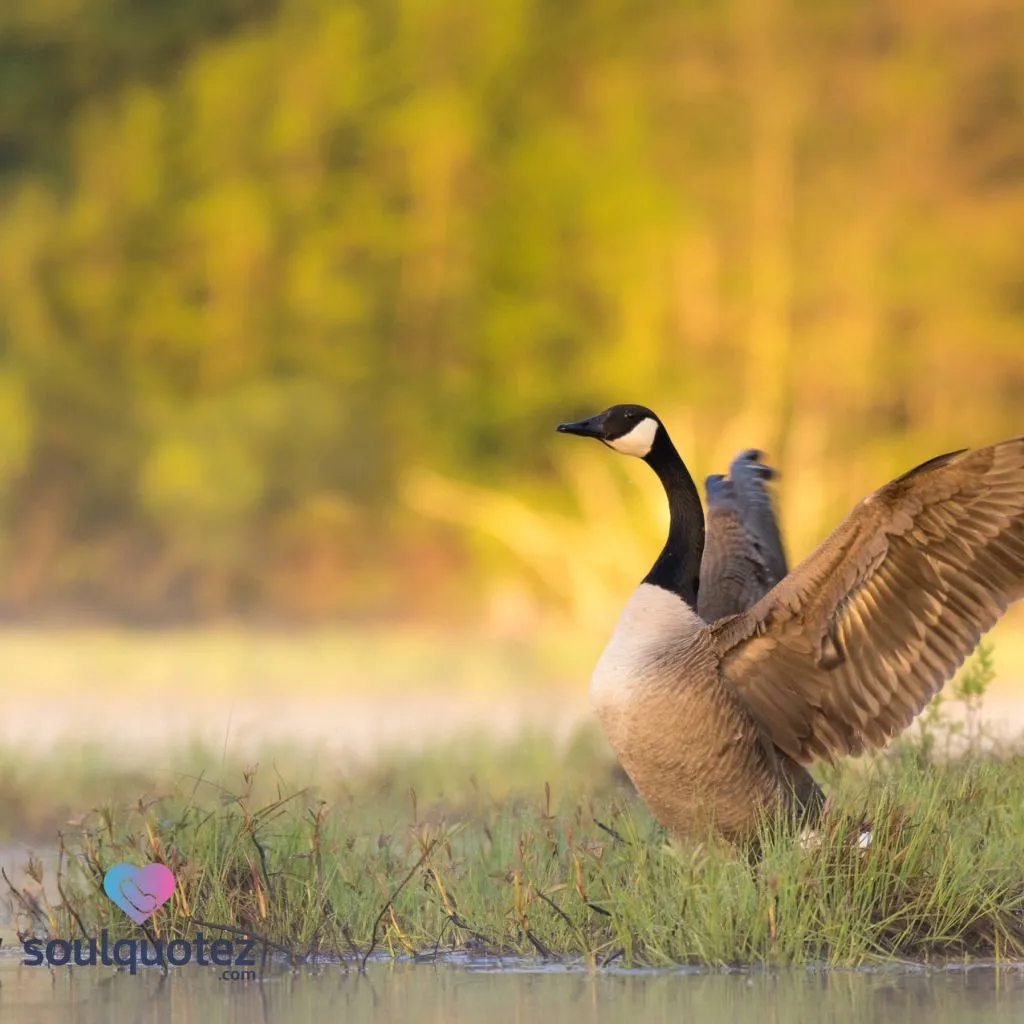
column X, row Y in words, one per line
column 446, row 993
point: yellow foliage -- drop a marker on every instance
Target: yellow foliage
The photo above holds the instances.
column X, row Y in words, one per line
column 260, row 254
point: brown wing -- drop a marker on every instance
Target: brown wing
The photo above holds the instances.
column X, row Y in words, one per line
column 852, row 644
column 743, row 557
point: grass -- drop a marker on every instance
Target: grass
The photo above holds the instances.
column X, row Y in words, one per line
column 557, row 874
column 533, row 851
column 536, row 850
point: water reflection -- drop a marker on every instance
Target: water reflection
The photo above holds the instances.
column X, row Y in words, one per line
column 443, row 993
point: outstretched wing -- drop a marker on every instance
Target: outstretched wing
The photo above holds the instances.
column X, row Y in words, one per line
column 852, row 644
column 743, row 556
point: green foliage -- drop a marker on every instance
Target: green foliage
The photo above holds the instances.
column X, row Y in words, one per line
column 785, row 225
column 971, row 685
column 938, row 733
column 470, row 850
column 207, row 472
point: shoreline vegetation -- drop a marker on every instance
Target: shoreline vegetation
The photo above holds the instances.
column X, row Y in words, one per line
column 531, row 850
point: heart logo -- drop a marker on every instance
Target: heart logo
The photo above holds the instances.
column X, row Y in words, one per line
column 139, row 892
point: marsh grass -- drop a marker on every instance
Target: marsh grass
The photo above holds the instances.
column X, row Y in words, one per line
column 558, row 871
column 539, row 850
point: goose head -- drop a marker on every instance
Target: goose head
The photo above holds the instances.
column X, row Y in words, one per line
column 629, row 429
column 636, row 430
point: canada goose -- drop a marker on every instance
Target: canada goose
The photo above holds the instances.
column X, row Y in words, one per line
column 835, row 659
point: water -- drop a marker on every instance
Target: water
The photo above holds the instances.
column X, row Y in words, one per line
column 445, row 993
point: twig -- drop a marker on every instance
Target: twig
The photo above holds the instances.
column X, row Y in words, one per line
column 152, row 938
column 71, row 910
column 557, row 909
column 391, row 899
column 607, row 828
column 29, row 907
column 60, row 889
column 263, row 861
column 456, row 920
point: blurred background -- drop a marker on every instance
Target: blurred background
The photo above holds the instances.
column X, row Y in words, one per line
column 293, row 292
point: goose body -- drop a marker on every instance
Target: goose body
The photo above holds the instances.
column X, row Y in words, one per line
column 715, row 720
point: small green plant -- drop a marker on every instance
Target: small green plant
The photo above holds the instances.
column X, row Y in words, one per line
column 940, row 730
column 970, row 687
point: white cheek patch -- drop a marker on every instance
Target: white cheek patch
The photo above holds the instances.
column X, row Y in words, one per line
column 638, row 441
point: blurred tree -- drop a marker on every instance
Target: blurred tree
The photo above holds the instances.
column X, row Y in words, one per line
column 262, row 260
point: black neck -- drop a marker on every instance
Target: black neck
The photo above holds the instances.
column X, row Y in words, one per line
column 678, row 566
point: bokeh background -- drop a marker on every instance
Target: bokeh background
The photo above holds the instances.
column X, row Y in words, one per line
column 293, row 292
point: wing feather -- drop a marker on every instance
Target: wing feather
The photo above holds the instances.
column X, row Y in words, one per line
column 846, row 650
column 743, row 556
